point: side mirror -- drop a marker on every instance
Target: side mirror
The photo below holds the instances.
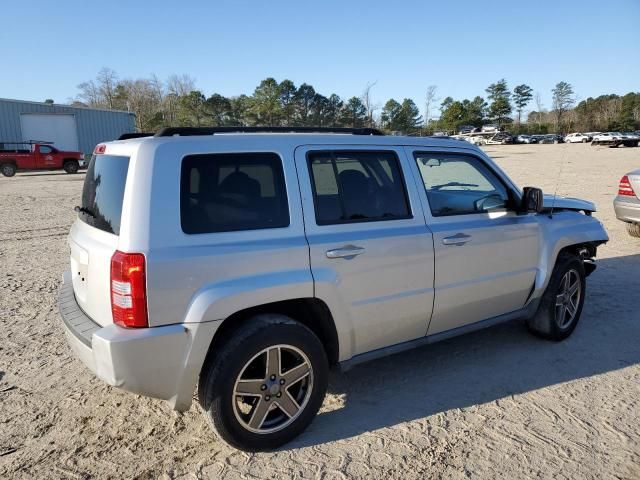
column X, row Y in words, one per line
column 430, row 162
column 532, row 200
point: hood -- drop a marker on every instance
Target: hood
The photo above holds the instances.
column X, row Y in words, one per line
column 566, row 203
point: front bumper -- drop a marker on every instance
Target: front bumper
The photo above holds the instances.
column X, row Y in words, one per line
column 160, row 362
column 627, row 210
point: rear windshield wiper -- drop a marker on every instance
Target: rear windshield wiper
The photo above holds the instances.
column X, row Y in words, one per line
column 84, row 210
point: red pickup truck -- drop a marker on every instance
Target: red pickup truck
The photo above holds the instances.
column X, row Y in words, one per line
column 16, row 156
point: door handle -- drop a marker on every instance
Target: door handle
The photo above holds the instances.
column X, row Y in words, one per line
column 457, row 239
column 347, row 251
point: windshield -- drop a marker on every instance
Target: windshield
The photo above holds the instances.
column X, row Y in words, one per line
column 103, row 192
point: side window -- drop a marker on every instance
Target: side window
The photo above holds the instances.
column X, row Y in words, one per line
column 230, row 192
column 460, row 184
column 45, row 149
column 352, row 186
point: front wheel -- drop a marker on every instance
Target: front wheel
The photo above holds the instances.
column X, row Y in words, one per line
column 8, row 169
column 264, row 386
column 561, row 304
column 71, row 166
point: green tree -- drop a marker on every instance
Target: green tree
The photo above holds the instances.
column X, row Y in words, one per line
column 453, row 114
column 266, row 102
column 192, row 108
column 287, row 101
column 319, row 109
column 474, row 111
column 354, row 113
column 240, row 108
column 522, row 95
column 500, row 106
column 333, row 109
column 389, row 115
column 629, row 111
column 562, row 101
column 218, row 108
column 303, row 99
column 409, row 118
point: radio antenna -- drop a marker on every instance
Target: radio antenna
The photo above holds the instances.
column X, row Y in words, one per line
column 555, row 193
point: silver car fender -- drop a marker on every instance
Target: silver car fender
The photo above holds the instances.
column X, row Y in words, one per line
column 565, row 229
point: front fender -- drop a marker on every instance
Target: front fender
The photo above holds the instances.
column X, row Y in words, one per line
column 565, row 229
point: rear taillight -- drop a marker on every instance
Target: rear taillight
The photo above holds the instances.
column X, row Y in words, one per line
column 128, row 290
column 625, row 187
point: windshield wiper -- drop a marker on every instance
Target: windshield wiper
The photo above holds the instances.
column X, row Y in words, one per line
column 84, row 210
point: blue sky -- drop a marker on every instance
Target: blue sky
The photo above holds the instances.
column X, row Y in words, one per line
column 337, row 46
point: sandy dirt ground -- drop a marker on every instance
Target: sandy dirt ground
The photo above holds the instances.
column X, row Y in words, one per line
column 493, row 404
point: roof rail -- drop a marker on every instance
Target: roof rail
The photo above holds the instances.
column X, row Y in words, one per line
column 30, row 142
column 127, row 136
column 189, row 131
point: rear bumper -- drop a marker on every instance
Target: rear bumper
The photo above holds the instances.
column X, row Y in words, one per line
column 627, row 210
column 160, row 362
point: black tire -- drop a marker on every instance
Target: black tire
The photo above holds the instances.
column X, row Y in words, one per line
column 546, row 323
column 584, row 140
column 224, row 367
column 8, row 169
column 633, row 229
column 71, row 166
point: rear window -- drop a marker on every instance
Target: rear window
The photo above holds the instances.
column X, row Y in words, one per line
column 354, row 186
column 232, row 191
column 103, row 192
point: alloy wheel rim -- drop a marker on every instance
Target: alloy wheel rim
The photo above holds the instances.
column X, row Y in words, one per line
column 568, row 299
column 272, row 389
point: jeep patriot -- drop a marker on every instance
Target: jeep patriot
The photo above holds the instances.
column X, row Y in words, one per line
column 246, row 262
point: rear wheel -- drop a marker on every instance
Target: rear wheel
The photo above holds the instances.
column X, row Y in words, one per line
column 8, row 169
column 71, row 166
column 633, row 229
column 561, row 305
column 585, row 140
column 264, row 386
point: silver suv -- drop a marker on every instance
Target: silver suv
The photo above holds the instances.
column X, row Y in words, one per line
column 247, row 262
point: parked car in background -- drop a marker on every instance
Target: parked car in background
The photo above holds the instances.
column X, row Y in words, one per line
column 551, row 138
column 23, row 156
column 525, row 139
column 627, row 203
column 467, row 129
column 615, row 139
column 577, row 138
column 492, row 127
column 244, row 265
column 500, row 138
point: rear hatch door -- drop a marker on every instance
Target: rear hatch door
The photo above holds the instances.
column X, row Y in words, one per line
column 94, row 235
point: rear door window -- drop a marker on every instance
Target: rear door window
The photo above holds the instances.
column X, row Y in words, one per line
column 232, row 191
column 103, row 192
column 357, row 186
